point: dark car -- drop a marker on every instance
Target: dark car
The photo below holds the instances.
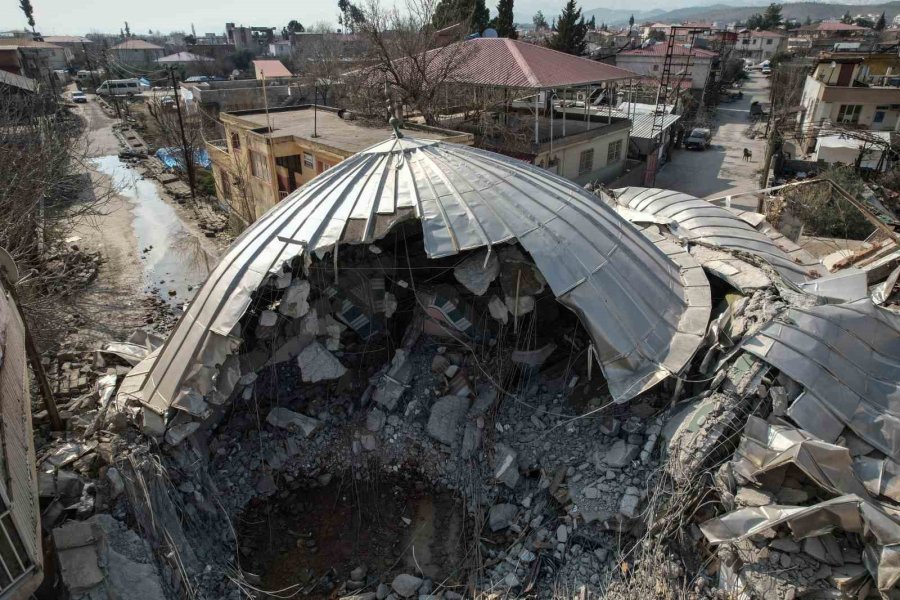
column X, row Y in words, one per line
column 698, row 139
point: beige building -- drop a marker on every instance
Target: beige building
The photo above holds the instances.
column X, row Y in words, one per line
column 850, row 90
column 266, row 155
column 135, row 53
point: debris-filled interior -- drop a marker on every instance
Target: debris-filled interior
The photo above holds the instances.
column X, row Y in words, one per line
column 437, row 372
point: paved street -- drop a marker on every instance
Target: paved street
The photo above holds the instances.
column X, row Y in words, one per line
column 721, row 169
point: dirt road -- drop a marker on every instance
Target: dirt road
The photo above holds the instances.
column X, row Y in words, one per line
column 721, row 169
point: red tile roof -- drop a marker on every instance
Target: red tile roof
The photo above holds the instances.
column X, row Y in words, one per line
column 509, row 63
column 270, row 68
column 660, row 50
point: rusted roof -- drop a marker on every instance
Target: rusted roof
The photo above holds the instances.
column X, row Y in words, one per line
column 509, row 63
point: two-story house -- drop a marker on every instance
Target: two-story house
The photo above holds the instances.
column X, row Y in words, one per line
column 760, row 45
column 850, row 90
column 135, row 53
column 688, row 65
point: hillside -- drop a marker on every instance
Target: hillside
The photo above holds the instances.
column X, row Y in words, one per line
column 722, row 13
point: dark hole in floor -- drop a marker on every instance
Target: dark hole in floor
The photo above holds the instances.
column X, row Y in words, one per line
column 316, row 535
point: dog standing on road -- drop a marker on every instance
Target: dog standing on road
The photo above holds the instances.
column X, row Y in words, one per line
column 748, row 155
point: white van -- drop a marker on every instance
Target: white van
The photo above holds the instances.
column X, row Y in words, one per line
column 121, row 87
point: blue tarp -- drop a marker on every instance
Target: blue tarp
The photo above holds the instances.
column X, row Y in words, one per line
column 171, row 157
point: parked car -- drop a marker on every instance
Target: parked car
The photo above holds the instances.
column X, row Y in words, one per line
column 79, row 98
column 766, row 71
column 699, row 138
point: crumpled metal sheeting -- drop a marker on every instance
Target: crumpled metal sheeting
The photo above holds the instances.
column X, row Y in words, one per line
column 700, row 220
column 764, row 448
column 628, row 294
column 879, row 529
column 847, row 356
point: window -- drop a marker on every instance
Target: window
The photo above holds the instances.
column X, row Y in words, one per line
column 586, row 162
column 745, row 41
column 235, row 141
column 614, row 152
column 656, row 67
column 769, row 42
column 259, row 166
column 308, row 161
column 849, row 113
column 879, row 117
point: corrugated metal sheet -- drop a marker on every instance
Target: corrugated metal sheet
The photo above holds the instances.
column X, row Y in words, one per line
column 19, row 483
column 632, row 298
column 847, row 356
column 700, row 220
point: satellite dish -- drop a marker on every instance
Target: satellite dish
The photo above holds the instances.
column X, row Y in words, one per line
column 8, row 266
column 490, row 32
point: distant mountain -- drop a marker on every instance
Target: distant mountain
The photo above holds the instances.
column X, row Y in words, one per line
column 725, row 13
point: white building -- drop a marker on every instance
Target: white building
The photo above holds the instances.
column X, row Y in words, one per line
column 649, row 61
column 760, row 45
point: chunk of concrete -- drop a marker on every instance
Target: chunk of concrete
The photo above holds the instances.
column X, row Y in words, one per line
column 506, row 465
column 318, row 364
column 394, row 383
column 178, row 433
column 406, row 585
column 477, row 272
column 76, row 550
column 620, row 454
column 294, row 302
column 498, row 309
column 748, row 496
column 446, row 415
column 501, row 515
column 824, row 548
column 375, row 420
column 628, row 505
column 284, row 418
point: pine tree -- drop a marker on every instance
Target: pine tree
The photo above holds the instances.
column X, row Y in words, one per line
column 847, row 19
column 504, row 23
column 593, row 23
column 772, row 16
column 808, row 20
column 880, row 23
column 630, row 21
column 570, row 31
column 26, row 7
column 451, row 12
column 540, row 22
column 127, row 30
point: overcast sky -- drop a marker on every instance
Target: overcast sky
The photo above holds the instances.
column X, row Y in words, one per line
column 73, row 17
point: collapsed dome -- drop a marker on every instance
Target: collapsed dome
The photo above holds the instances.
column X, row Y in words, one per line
column 645, row 315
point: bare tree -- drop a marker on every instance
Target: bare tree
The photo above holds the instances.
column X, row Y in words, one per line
column 409, row 57
column 182, row 132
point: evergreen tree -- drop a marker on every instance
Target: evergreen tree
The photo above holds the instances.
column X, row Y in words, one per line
column 26, row 7
column 880, row 23
column 808, row 20
column 570, row 31
column 540, row 22
column 593, row 23
column 504, row 23
column 473, row 12
column 630, row 21
column 127, row 30
column 772, row 16
column 847, row 19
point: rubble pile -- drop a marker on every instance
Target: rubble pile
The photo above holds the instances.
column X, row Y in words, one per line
column 379, row 416
column 69, row 268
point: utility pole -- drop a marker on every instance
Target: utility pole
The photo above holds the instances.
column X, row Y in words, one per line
column 188, row 160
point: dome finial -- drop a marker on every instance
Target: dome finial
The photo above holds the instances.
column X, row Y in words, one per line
column 395, row 123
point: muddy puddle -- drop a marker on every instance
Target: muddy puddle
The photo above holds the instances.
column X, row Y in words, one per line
column 173, row 258
column 314, row 538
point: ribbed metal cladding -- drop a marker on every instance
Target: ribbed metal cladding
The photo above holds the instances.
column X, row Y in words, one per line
column 701, row 220
column 847, row 356
column 645, row 321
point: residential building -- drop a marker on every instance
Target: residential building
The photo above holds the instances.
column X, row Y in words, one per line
column 18, row 85
column 760, row 45
column 211, row 39
column 77, row 46
column 215, row 97
column 135, row 53
column 850, row 90
column 32, row 58
column 267, row 154
column 184, row 59
column 281, row 49
column 255, row 39
column 688, row 64
column 824, row 36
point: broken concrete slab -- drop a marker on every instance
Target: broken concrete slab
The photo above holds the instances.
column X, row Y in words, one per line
column 395, row 381
column 75, row 545
column 477, row 272
column 318, row 364
column 445, row 418
column 620, row 454
column 294, row 302
column 284, row 418
column 629, row 503
column 178, row 433
column 748, row 496
column 506, row 466
column 501, row 515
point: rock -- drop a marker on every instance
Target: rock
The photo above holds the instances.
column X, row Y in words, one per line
column 477, row 272
column 152, row 424
column 318, row 364
column 266, row 485
column 284, row 418
column 382, row 591
column 562, row 534
column 294, row 302
column 511, row 581
column 498, row 309
column 610, row 426
column 446, row 415
column 358, row 573
column 785, row 544
column 368, row 442
column 525, row 305
column 406, row 585
column 628, row 505
column 824, row 548
column 501, row 515
column 394, row 383
column 506, row 465
column 620, row 454
column 591, row 493
column 177, row 434
column 116, row 483
column 792, row 496
column 375, row 420
column 747, row 496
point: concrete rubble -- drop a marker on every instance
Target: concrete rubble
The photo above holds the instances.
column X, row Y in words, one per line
column 468, row 379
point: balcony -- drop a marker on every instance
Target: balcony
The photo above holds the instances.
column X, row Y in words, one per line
column 218, row 152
